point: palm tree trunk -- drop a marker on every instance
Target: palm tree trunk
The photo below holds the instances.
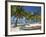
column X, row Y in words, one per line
column 16, row 22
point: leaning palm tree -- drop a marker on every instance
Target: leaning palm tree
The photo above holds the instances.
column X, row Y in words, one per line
column 17, row 11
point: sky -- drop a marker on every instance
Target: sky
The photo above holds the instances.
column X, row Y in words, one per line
column 32, row 8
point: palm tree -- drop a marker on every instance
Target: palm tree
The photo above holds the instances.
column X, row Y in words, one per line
column 17, row 11
column 20, row 12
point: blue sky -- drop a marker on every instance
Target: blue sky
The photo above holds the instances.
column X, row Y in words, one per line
column 32, row 8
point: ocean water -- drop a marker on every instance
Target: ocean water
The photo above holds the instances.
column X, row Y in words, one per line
column 23, row 21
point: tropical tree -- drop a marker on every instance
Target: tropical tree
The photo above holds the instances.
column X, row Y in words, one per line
column 19, row 12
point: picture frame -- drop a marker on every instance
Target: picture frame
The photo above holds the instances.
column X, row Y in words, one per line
column 37, row 29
